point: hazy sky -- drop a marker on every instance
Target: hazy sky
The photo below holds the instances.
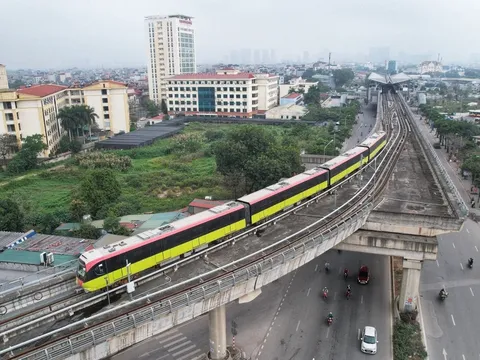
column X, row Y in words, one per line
column 88, row 33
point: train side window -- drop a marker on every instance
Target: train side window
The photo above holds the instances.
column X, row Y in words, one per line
column 99, row 270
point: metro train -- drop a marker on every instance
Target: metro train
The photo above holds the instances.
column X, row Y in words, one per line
column 106, row 267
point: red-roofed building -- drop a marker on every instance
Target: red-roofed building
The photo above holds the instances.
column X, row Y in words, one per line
column 33, row 110
column 292, row 98
column 226, row 93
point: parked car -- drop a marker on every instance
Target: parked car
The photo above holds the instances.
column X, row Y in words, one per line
column 369, row 340
column 363, row 275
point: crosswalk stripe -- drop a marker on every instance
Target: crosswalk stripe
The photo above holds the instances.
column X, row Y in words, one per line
column 175, row 342
column 183, row 350
column 185, row 357
column 179, row 346
column 167, row 333
column 164, row 341
column 198, row 357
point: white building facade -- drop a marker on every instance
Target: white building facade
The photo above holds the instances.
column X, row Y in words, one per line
column 430, row 67
column 171, row 51
column 3, row 77
column 225, row 93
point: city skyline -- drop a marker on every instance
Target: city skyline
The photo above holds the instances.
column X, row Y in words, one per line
column 56, row 34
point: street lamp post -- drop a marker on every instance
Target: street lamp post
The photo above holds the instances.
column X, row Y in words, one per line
column 325, row 148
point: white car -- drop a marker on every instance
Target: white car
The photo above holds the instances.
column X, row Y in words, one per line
column 369, row 340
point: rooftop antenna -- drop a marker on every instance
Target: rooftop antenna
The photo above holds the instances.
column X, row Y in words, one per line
column 329, row 60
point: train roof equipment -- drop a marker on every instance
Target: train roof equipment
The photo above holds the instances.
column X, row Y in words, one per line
column 162, row 231
column 333, row 163
column 282, row 185
column 373, row 139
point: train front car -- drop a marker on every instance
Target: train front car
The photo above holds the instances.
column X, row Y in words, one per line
column 106, row 266
column 375, row 143
column 269, row 201
column 345, row 164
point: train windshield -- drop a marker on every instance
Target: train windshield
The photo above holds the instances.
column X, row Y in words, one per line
column 81, row 270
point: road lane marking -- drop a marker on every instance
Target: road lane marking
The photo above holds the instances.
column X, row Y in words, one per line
column 463, row 357
column 298, row 325
column 334, row 295
column 437, row 263
column 453, row 320
column 189, row 355
column 176, row 347
column 358, row 334
column 467, row 231
column 170, row 338
column 472, row 292
column 453, row 245
column 476, row 248
column 168, row 333
column 461, row 265
column 316, row 267
column 361, row 299
column 328, row 331
column 191, row 347
column 308, row 292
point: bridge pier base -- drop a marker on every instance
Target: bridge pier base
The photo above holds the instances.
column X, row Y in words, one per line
column 218, row 334
column 410, row 285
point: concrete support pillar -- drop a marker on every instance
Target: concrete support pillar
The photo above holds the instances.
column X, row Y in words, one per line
column 218, row 333
column 410, row 283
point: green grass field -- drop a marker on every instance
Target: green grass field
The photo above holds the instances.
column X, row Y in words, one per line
column 157, row 181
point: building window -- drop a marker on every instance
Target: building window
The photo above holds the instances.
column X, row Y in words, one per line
column 106, row 116
column 104, row 100
column 189, row 109
column 244, row 89
column 9, row 117
column 225, row 110
column 104, row 91
column 7, row 105
column 105, row 108
column 206, row 99
column 238, row 96
column 225, row 96
column 219, row 96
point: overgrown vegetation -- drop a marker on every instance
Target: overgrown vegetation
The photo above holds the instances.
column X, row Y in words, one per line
column 407, row 339
column 167, row 175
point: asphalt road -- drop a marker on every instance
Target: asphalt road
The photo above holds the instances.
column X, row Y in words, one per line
column 452, row 326
column 362, row 128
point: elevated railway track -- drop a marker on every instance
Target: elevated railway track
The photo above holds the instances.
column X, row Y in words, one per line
column 61, row 342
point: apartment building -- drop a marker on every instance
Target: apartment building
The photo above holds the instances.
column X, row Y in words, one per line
column 228, row 92
column 297, row 85
column 33, row 110
column 3, row 77
column 171, row 51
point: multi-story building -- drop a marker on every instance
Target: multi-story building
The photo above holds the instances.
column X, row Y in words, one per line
column 292, row 98
column 228, row 92
column 296, row 84
column 33, row 110
column 171, row 51
column 430, row 67
column 3, row 77
column 392, row 67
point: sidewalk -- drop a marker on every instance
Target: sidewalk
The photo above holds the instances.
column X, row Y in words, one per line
column 452, row 168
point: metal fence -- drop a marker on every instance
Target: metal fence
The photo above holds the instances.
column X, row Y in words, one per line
column 89, row 338
column 38, row 277
column 433, row 158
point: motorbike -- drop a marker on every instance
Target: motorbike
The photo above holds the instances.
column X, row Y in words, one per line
column 443, row 296
column 327, row 269
column 329, row 321
column 470, row 264
column 345, row 275
column 348, row 294
column 325, row 295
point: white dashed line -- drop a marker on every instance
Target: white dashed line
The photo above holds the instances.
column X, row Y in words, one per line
column 334, row 295
column 308, row 292
column 361, row 299
column 472, row 292
column 328, row 332
column 453, row 245
column 358, row 334
column 437, row 263
column 298, row 325
column 453, row 320
column 467, row 231
column 476, row 248
column 463, row 356
column 461, row 265
column 316, row 267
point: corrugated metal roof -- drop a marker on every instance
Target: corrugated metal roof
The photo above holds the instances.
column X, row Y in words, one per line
column 30, row 257
column 8, row 237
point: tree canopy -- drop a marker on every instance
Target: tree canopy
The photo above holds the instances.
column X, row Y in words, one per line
column 75, row 118
column 342, row 77
column 26, row 158
column 250, row 158
column 97, row 189
column 8, row 145
column 11, row 216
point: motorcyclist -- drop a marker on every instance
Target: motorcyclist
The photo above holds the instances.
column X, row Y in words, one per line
column 345, row 272
column 349, row 288
column 330, row 315
column 327, row 266
column 470, row 261
column 325, row 290
column 443, row 293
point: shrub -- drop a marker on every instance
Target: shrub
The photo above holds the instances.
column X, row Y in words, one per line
column 98, row 160
column 407, row 340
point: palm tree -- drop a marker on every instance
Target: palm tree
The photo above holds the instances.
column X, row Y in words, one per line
column 90, row 117
column 67, row 119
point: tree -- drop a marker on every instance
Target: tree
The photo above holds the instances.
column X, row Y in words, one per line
column 86, row 231
column 164, row 107
column 8, row 145
column 151, row 108
column 11, row 217
column 254, row 158
column 312, row 96
column 73, row 118
column 342, row 76
column 67, row 120
column 78, row 209
column 86, row 117
column 26, row 158
column 98, row 188
column 112, row 225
